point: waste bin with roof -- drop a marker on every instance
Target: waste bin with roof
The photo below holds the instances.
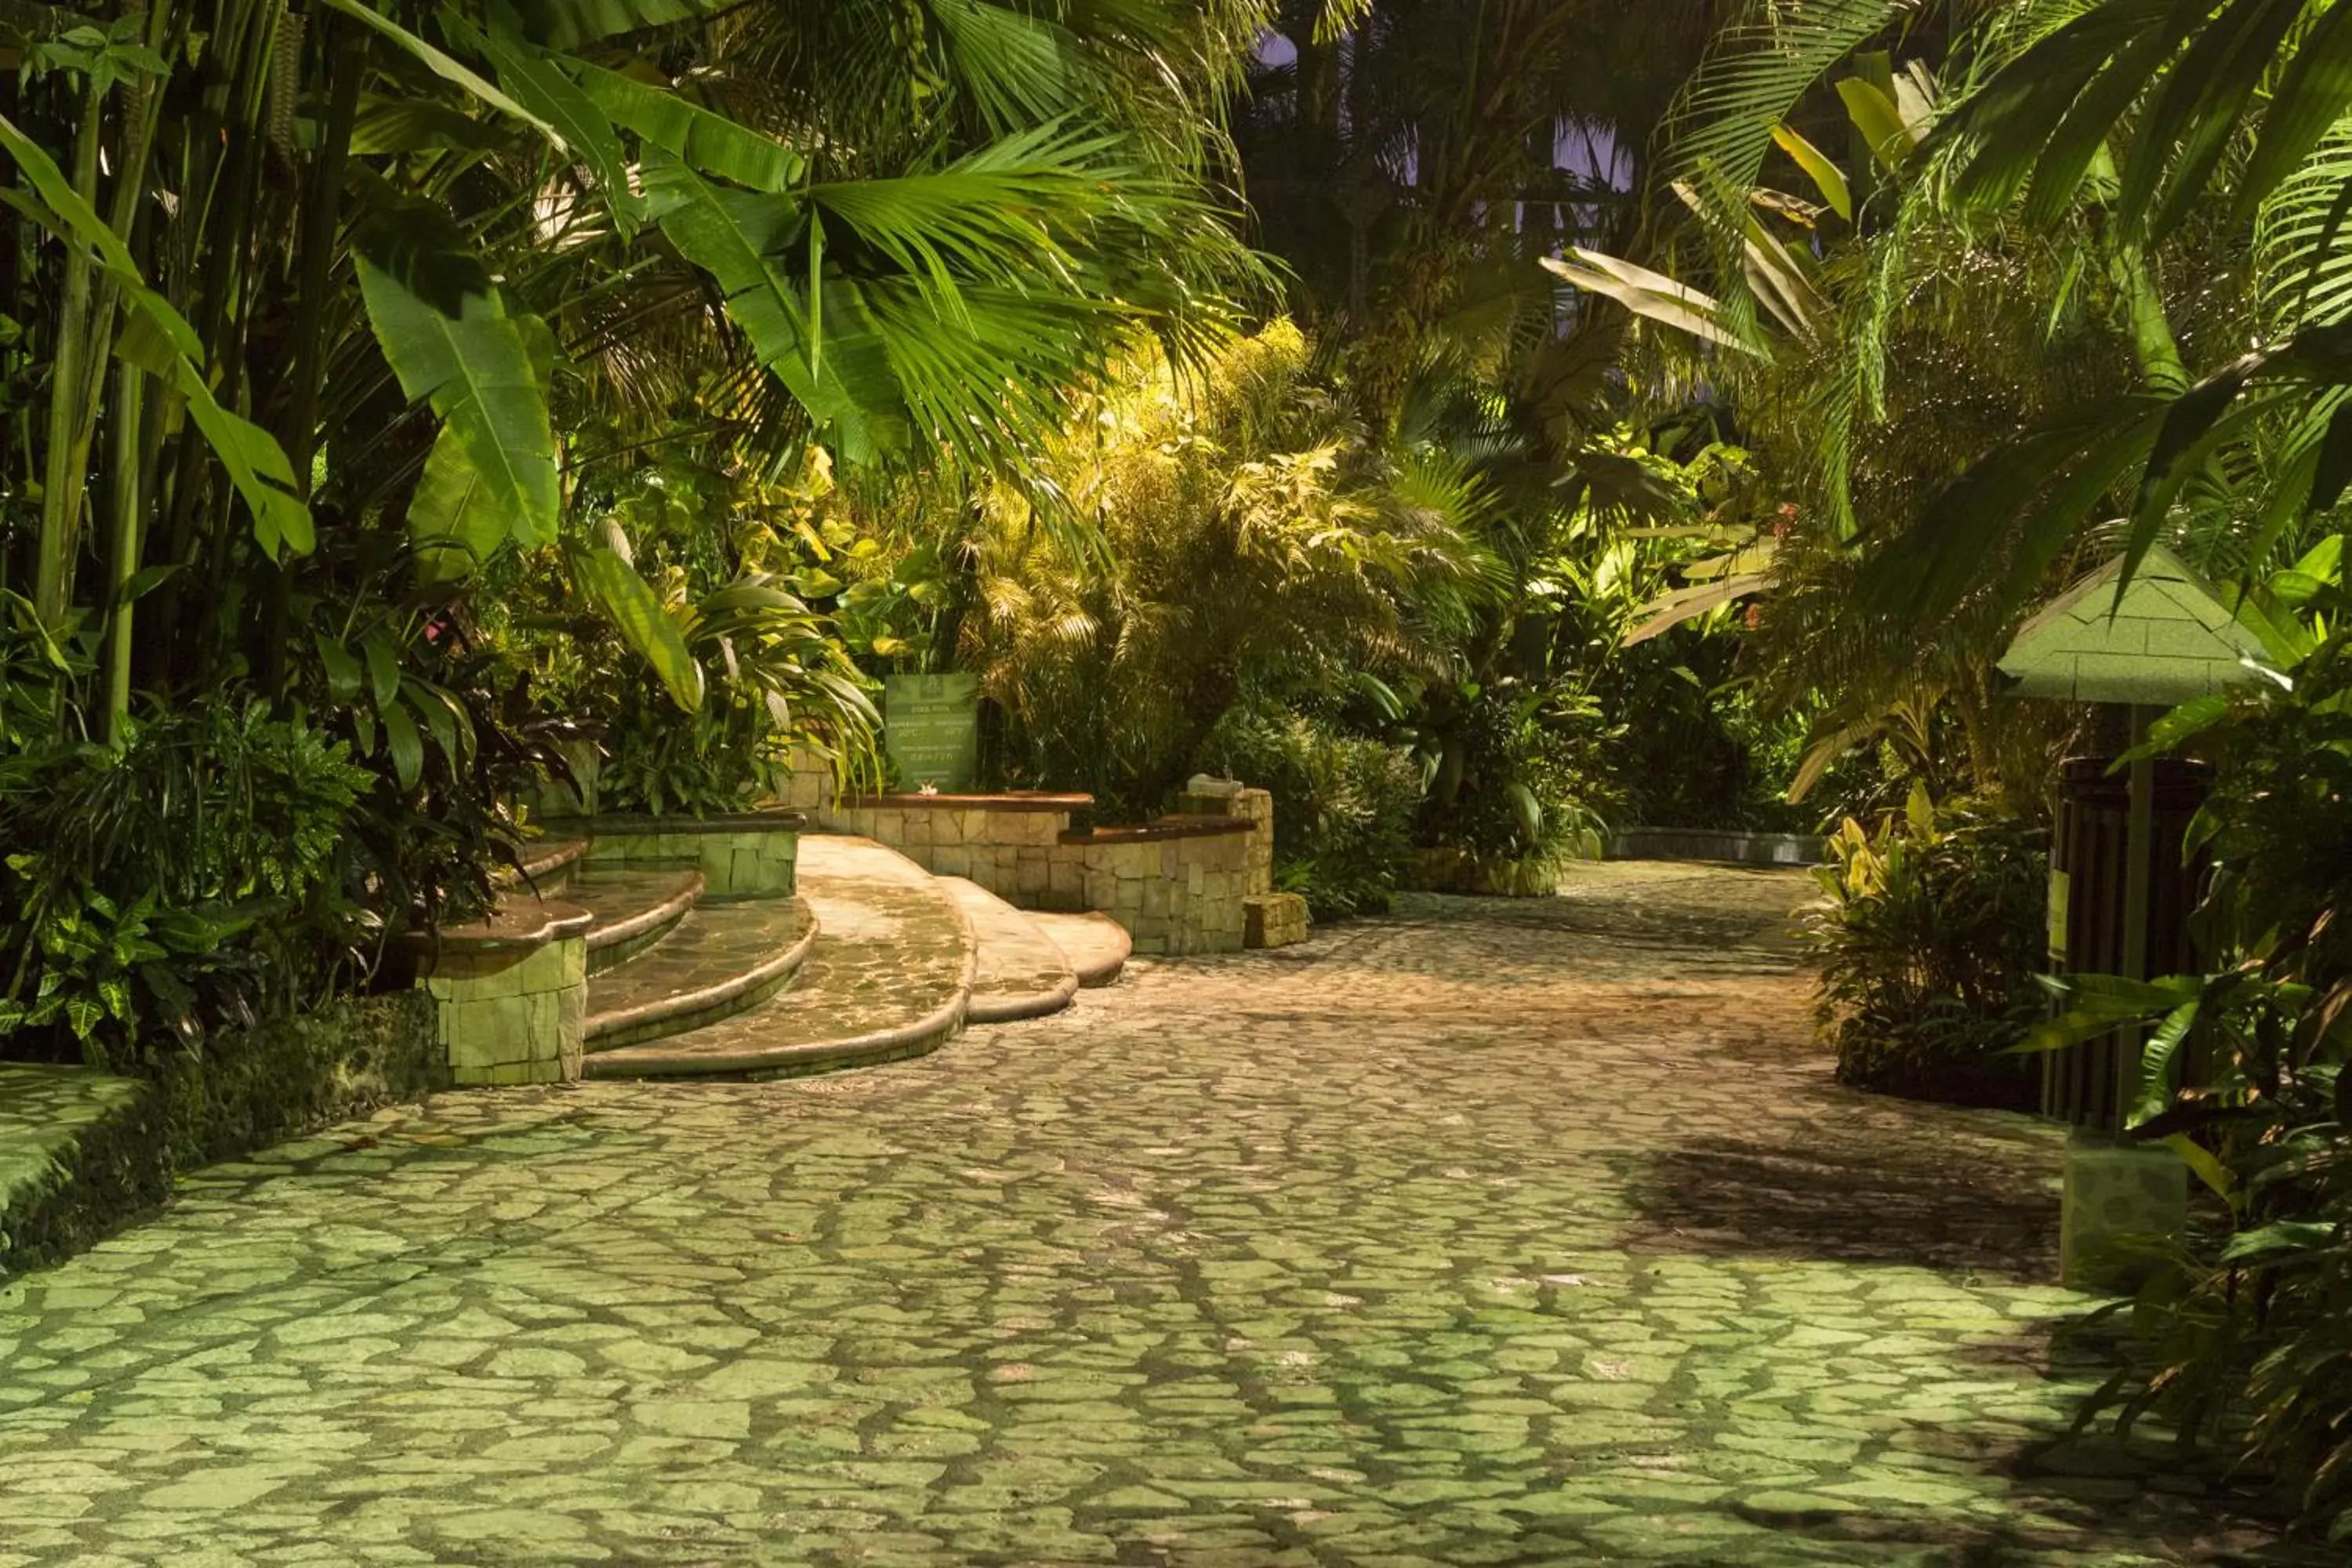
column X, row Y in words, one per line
column 2119, row 892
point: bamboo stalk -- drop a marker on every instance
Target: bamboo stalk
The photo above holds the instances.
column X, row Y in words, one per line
column 319, row 223
column 129, row 453
column 124, row 431
column 62, row 481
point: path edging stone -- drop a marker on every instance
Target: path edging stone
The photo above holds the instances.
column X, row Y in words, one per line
column 280, row 1079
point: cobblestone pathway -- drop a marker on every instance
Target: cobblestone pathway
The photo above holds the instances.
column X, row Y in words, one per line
column 1488, row 1234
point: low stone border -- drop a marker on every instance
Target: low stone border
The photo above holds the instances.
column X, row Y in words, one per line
column 81, row 1152
column 1716, row 843
column 741, row 855
column 1030, row 1005
column 1006, row 800
column 1097, row 946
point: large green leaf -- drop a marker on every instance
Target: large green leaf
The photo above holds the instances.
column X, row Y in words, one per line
column 1000, row 213
column 446, row 66
column 568, row 24
column 1880, row 120
column 735, row 235
column 689, row 133
column 1021, row 66
column 2182, row 78
column 401, row 125
column 158, row 340
column 453, row 523
column 2013, row 119
column 1826, row 176
column 1650, row 295
column 446, row 333
column 637, row 614
column 546, row 91
column 2313, row 94
column 407, row 744
column 2186, row 132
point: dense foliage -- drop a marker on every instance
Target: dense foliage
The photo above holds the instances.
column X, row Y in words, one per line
column 2068, row 283
column 419, row 391
column 1659, row 414
column 1929, row 940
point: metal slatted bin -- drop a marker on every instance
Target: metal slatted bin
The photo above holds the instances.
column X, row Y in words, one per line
column 2088, row 872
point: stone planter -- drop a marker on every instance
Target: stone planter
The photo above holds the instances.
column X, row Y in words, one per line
column 746, row 855
column 510, row 994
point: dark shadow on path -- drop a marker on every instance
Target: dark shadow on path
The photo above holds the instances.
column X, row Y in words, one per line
column 1926, row 1207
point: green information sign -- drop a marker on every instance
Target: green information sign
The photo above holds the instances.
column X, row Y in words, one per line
column 930, row 725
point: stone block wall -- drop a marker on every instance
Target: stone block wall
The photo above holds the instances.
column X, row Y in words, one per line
column 511, row 1014
column 808, row 785
column 1205, row 797
column 1174, row 893
column 1274, row 920
column 1176, row 885
column 739, row 857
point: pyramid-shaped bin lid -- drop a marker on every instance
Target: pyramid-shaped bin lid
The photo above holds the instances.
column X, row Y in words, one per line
column 2169, row 639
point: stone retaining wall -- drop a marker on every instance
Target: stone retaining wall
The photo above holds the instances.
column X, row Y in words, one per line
column 1176, row 888
column 747, row 855
column 1177, row 885
column 82, row 1152
column 1716, row 844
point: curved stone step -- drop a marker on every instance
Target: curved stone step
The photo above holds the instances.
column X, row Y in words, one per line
column 545, row 868
column 1021, row 972
column 888, row 977
column 1095, row 946
column 635, row 907
column 721, row 959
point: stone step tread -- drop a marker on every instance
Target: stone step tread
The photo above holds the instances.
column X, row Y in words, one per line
column 721, row 957
column 544, row 863
column 1020, row 972
column 888, row 976
column 629, row 900
column 1095, row 946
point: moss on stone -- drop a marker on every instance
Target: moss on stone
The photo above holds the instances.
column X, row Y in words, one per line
column 83, row 1151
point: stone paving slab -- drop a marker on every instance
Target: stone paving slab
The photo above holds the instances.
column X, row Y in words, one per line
column 1019, row 972
column 78, row 1148
column 1494, row 1235
column 886, row 975
column 1096, row 946
column 718, row 961
column 635, row 907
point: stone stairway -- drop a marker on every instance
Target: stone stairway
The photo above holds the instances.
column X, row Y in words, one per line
column 871, row 958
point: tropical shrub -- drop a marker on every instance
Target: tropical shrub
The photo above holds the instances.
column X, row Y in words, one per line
column 1928, row 938
column 1343, row 803
column 1184, row 542
column 1512, row 797
column 2242, row 1337
column 717, row 562
column 210, row 868
column 516, row 255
